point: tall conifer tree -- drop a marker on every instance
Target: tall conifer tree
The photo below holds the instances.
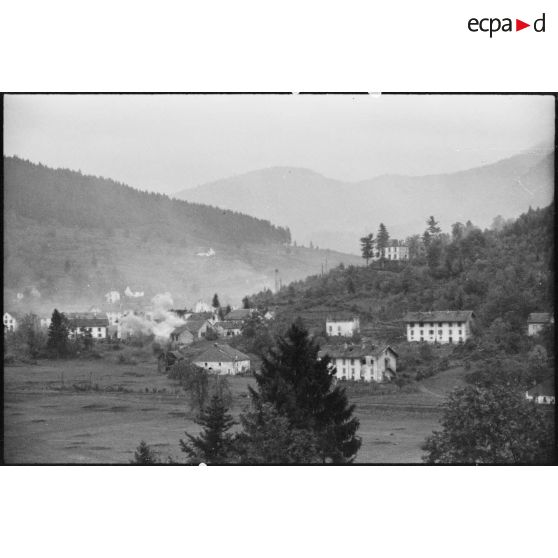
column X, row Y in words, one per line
column 300, row 387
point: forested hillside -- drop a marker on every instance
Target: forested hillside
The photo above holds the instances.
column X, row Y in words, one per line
column 69, row 238
column 500, row 274
column 310, row 204
column 67, row 198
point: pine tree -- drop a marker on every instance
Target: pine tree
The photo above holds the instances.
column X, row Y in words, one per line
column 367, row 247
column 433, row 228
column 215, row 303
column 300, row 387
column 144, row 455
column 246, row 303
column 382, row 239
column 58, row 334
column 214, row 444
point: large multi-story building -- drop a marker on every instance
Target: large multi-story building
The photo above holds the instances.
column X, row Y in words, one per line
column 362, row 362
column 443, row 326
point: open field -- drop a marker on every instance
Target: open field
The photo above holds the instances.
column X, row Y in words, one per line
column 48, row 419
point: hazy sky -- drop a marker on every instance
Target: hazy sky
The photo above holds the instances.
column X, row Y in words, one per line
column 167, row 143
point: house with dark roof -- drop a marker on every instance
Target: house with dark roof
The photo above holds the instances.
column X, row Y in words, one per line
column 182, row 335
column 239, row 314
column 228, row 328
column 441, row 326
column 537, row 321
column 84, row 323
column 364, row 361
column 543, row 393
column 223, row 359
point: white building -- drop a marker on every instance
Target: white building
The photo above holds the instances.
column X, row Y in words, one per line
column 537, row 321
column 12, row 321
column 203, row 307
column 342, row 326
column 542, row 393
column 45, row 321
column 112, row 297
column 82, row 323
column 396, row 251
column 223, row 359
column 443, row 326
column 362, row 362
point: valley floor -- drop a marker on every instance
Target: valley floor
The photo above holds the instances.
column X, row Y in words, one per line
column 48, row 420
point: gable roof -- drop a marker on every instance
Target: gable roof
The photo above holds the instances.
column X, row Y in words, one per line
column 229, row 324
column 15, row 315
column 181, row 329
column 86, row 321
column 193, row 326
column 439, row 316
column 239, row 314
column 341, row 317
column 221, row 353
column 355, row 351
column 539, row 318
column 545, row 388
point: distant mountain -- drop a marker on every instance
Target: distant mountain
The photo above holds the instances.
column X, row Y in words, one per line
column 334, row 214
column 73, row 237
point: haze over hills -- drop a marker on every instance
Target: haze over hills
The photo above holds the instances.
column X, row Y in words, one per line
column 334, row 214
column 69, row 238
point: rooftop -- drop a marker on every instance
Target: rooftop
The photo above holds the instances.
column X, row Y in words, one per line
column 221, row 353
column 545, row 388
column 354, row 351
column 229, row 324
column 539, row 318
column 439, row 316
column 239, row 314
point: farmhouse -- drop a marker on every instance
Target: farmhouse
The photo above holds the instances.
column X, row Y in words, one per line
column 362, row 362
column 80, row 324
column 223, row 360
column 537, row 321
column 239, row 314
column 396, row 250
column 228, row 328
column 182, row 335
column 12, row 320
column 542, row 393
column 444, row 326
column 342, row 325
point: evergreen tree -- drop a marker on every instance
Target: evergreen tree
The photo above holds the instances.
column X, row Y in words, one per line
column 433, row 228
column 367, row 247
column 246, row 303
column 58, row 334
column 213, row 444
column 268, row 437
column 301, row 388
column 382, row 239
column 215, row 303
column 144, row 455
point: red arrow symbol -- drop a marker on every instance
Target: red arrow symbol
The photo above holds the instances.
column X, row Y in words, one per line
column 519, row 25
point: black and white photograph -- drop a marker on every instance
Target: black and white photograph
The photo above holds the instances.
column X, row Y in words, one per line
column 279, row 279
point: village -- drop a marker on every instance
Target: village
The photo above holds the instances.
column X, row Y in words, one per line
column 202, row 336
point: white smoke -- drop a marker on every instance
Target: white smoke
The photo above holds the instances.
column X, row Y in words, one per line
column 133, row 294
column 161, row 322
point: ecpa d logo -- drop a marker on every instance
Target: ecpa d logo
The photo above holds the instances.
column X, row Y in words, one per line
column 492, row 25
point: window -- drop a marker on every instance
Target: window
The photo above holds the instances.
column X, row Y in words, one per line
column 99, row 334
column 440, row 332
column 421, row 324
column 422, row 338
column 440, row 324
column 431, row 324
column 412, row 324
column 450, row 339
column 460, row 332
column 431, row 332
column 330, row 329
column 422, row 332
